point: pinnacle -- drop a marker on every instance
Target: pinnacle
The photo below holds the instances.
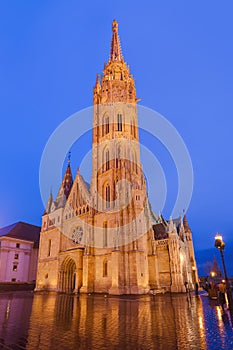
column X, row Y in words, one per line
column 115, row 54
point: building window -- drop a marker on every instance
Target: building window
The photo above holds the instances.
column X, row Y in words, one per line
column 107, row 160
column 107, row 196
column 131, row 127
column 49, row 247
column 105, row 231
column 119, row 122
column 105, row 268
column 118, row 155
column 14, row 267
column 17, row 245
column 13, row 280
column 16, row 257
column 105, row 126
column 137, row 198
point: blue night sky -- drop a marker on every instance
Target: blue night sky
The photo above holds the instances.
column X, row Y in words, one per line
column 180, row 53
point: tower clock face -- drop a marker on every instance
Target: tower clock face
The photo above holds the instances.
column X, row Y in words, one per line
column 77, row 234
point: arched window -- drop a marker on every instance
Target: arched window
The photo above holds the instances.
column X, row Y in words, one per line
column 105, row 268
column 119, row 122
column 49, row 247
column 118, row 156
column 131, row 128
column 134, row 161
column 107, row 160
column 107, row 196
column 105, row 126
column 105, row 233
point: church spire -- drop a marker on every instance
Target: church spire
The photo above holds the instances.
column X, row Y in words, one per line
column 67, row 179
column 117, row 83
column 115, row 54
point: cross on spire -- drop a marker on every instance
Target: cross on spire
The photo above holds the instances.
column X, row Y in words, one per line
column 69, row 156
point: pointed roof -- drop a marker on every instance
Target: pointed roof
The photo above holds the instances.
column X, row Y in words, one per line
column 67, row 181
column 115, row 54
column 49, row 203
column 185, row 223
column 97, row 82
column 65, row 187
column 5, row 230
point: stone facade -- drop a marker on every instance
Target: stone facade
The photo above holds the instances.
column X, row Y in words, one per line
column 104, row 238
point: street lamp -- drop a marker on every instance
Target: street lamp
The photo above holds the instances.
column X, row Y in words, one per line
column 221, row 245
column 212, row 274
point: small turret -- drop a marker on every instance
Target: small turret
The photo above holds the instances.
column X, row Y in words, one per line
column 185, row 223
column 171, row 224
column 49, row 203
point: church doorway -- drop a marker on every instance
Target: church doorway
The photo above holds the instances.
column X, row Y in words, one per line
column 68, row 275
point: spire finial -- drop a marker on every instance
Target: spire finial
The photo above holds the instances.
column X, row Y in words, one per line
column 115, row 26
column 69, row 156
column 115, row 54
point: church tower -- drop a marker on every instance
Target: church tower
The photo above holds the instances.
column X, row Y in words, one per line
column 118, row 186
column 104, row 237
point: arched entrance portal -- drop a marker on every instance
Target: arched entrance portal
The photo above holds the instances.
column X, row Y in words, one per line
column 68, row 275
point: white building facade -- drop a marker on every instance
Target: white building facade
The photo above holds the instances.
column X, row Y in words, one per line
column 19, row 244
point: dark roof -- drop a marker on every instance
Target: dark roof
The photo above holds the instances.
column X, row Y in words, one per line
column 4, row 231
column 160, row 231
column 22, row 230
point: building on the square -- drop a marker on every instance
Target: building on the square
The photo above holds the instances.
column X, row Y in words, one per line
column 104, row 237
column 19, row 245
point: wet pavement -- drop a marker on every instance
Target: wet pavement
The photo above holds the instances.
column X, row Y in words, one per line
column 57, row 321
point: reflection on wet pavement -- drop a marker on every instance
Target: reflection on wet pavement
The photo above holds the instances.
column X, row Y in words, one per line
column 58, row 321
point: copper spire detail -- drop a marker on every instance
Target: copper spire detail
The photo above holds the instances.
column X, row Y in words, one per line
column 67, row 181
column 115, row 54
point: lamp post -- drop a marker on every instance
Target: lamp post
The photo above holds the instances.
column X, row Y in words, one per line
column 212, row 274
column 221, row 245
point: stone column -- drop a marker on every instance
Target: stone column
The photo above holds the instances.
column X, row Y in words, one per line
column 88, row 278
column 177, row 283
column 116, row 288
column 76, row 290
